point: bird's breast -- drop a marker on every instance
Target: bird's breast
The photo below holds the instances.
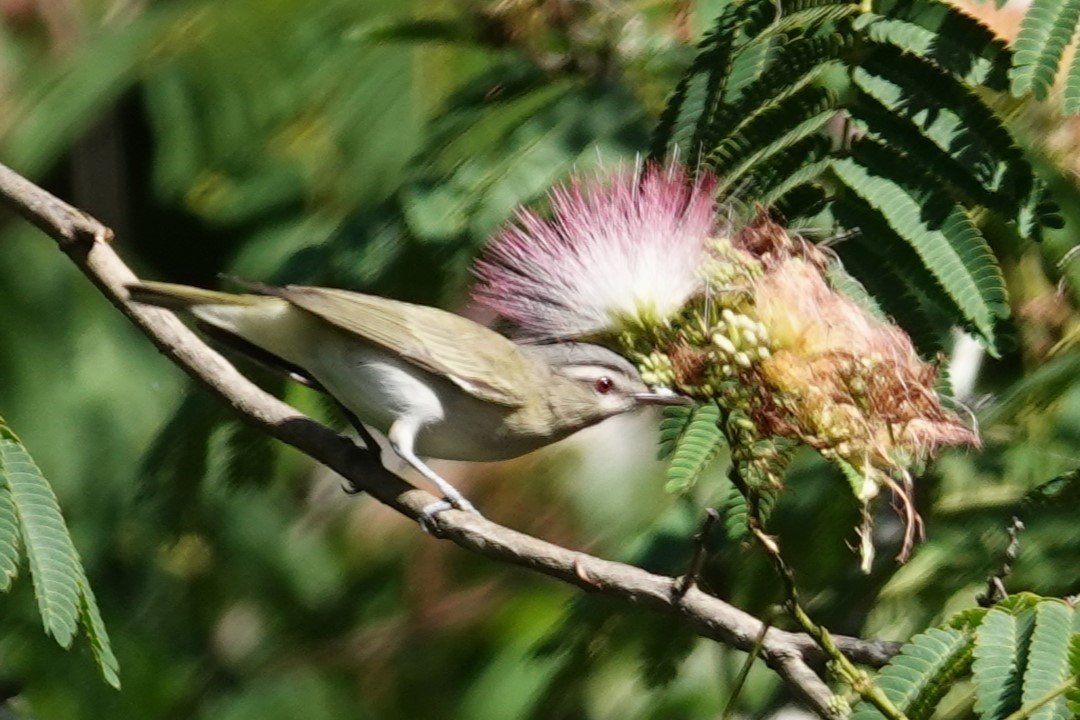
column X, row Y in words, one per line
column 381, row 388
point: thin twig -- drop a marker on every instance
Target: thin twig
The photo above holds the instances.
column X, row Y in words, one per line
column 697, row 560
column 744, row 672
column 85, row 241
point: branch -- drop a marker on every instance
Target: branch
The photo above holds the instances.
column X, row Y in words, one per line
column 86, row 242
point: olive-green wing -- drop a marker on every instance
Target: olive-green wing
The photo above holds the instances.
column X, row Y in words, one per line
column 437, row 341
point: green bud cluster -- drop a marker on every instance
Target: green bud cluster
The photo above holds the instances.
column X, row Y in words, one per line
column 729, row 269
column 656, row 368
column 739, row 341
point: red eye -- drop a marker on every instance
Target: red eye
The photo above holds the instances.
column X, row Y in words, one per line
column 604, row 385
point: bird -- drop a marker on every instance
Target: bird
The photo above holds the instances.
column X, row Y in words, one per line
column 434, row 383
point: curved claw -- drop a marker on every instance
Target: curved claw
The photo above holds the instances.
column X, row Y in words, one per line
column 428, row 513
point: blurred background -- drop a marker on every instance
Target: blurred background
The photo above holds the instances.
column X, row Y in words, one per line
column 375, row 145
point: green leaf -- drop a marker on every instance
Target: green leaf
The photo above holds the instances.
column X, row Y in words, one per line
column 1047, row 28
column 690, row 108
column 63, row 592
column 926, row 668
column 894, row 275
column 797, row 65
column 1072, row 86
column 54, row 564
column 250, row 456
column 1000, row 653
column 951, row 249
column 773, row 129
column 976, row 183
column 842, row 281
column 856, row 479
column 673, row 422
column 9, row 525
column 796, row 166
column 94, row 626
column 953, row 117
column 943, row 34
column 968, row 619
column 1048, row 659
column 175, row 467
column 736, row 510
column 696, row 447
column 805, row 17
column 1072, row 697
column 9, row 539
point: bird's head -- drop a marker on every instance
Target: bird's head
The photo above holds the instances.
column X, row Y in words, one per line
column 591, row 383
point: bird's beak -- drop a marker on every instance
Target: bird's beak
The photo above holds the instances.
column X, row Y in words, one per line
column 662, row 396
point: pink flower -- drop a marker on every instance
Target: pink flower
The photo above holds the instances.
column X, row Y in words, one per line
column 613, row 255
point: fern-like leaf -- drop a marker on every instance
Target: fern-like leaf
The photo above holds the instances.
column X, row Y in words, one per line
column 690, row 108
column 786, row 170
column 893, row 273
column 793, row 167
column 951, row 115
column 795, row 65
column 96, row 633
column 1000, row 655
column 856, row 479
column 1072, row 86
column 250, row 456
column 807, row 17
column 951, row 249
column 9, row 525
column 736, row 510
column 1072, row 697
column 1048, row 659
column 28, row 508
column 9, row 539
column 769, row 132
column 1047, row 28
column 696, row 447
column 945, row 35
column 917, row 678
column 53, row 560
column 800, row 203
column 842, row 281
column 673, row 423
column 974, row 185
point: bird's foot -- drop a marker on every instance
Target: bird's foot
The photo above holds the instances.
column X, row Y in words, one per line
column 429, row 511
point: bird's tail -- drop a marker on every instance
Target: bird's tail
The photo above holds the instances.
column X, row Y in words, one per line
column 267, row 323
column 179, row 297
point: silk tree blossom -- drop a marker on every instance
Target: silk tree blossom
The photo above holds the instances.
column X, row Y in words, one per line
column 614, row 255
column 743, row 316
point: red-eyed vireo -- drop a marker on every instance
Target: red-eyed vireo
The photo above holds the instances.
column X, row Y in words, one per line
column 436, row 384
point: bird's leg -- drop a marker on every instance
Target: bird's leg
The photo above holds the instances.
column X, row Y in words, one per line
column 370, row 443
column 289, row 371
column 401, row 436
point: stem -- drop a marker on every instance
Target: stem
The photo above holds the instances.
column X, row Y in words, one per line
column 1057, row 692
column 744, row 672
column 697, row 560
column 848, row 672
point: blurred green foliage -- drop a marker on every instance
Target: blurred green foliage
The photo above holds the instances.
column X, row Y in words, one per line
column 375, row 145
